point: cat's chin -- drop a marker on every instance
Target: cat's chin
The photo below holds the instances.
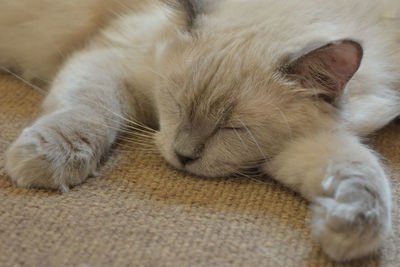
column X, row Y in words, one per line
column 199, row 168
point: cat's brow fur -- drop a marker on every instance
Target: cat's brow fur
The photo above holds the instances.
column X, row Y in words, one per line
column 219, row 88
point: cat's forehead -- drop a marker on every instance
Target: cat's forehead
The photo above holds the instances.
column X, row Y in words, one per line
column 215, row 76
column 211, row 96
column 219, row 87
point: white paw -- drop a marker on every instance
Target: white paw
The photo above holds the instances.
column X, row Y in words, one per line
column 50, row 155
column 354, row 218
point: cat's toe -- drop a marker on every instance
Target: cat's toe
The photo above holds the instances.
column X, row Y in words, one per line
column 350, row 225
column 45, row 158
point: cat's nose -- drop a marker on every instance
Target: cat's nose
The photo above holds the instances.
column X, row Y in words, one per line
column 184, row 159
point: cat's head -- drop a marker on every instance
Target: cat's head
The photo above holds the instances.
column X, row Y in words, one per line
column 224, row 110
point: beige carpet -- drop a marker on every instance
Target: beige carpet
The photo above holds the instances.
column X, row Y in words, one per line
column 141, row 212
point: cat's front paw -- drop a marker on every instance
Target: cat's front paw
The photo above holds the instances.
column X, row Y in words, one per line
column 352, row 221
column 54, row 157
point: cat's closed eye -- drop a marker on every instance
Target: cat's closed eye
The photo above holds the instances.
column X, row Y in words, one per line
column 232, row 128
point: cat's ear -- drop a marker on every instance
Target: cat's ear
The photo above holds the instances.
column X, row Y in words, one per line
column 191, row 9
column 328, row 68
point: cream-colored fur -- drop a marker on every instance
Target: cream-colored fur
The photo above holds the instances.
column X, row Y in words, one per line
column 221, row 93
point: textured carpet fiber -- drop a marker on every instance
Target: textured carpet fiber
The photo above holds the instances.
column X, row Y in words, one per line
column 141, row 212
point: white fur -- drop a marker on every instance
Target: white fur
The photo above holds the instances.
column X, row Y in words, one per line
column 348, row 189
column 112, row 58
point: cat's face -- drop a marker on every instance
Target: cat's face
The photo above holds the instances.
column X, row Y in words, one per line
column 225, row 112
column 222, row 114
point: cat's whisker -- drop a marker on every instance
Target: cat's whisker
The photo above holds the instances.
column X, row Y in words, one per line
column 137, row 149
column 128, row 127
column 248, row 169
column 241, row 140
column 252, row 175
column 149, row 137
column 223, row 116
column 139, row 146
column 285, row 119
column 133, row 148
column 136, row 129
column 123, row 5
column 133, row 133
column 125, row 123
column 253, row 138
column 307, row 81
column 248, row 166
column 131, row 121
column 135, row 141
column 143, row 138
column 136, row 144
column 124, row 118
column 238, row 173
column 255, row 179
column 41, row 90
column 116, row 14
column 148, row 141
column 242, row 174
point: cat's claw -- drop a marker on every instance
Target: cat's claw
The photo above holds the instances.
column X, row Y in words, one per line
column 64, row 189
column 95, row 174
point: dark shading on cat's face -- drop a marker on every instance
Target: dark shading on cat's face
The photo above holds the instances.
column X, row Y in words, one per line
column 221, row 115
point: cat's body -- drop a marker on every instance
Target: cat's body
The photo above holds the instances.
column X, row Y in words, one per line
column 233, row 86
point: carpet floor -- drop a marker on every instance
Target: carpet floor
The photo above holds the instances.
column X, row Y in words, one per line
column 141, row 212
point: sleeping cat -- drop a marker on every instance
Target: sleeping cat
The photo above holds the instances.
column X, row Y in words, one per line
column 286, row 87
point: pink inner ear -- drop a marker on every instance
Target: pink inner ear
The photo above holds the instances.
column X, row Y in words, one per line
column 329, row 67
column 343, row 59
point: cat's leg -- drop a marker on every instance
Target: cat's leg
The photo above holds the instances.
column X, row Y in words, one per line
column 366, row 113
column 64, row 146
column 348, row 189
